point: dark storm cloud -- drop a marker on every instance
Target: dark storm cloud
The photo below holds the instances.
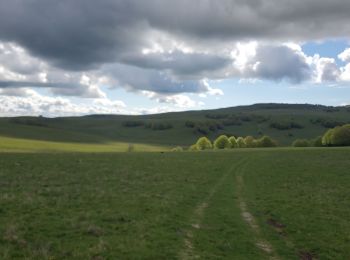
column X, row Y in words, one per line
column 83, row 34
column 135, row 78
column 179, row 63
column 21, row 84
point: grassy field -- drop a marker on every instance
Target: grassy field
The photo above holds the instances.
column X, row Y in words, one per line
column 246, row 204
column 293, row 121
column 8, row 144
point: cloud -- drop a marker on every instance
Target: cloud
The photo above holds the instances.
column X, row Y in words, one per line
column 345, row 55
column 179, row 100
column 138, row 79
column 83, row 34
column 179, row 63
column 277, row 62
column 34, row 103
column 169, row 48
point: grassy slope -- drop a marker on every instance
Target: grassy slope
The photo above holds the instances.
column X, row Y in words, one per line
column 104, row 129
column 141, row 205
column 8, row 144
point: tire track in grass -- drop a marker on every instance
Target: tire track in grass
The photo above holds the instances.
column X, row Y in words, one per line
column 187, row 251
column 261, row 242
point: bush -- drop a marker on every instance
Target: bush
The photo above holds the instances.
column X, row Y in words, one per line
column 133, row 123
column 193, row 148
column 286, row 125
column 233, row 142
column 338, row 136
column 265, row 141
column 301, row 143
column 222, row 142
column 177, row 149
column 249, row 141
column 190, row 124
column 204, row 143
column 327, row 123
column 317, row 142
column 240, row 142
column 159, row 126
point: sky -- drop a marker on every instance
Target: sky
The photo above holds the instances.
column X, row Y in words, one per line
column 68, row 58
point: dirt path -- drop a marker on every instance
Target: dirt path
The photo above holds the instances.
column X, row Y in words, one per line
column 261, row 242
column 237, row 169
column 198, row 213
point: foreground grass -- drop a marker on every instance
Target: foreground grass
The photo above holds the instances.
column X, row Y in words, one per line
column 175, row 205
column 8, row 144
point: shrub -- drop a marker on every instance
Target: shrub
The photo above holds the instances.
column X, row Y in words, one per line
column 193, row 148
column 190, row 124
column 249, row 141
column 233, row 142
column 231, row 121
column 317, row 142
column 177, row 149
column 338, row 136
column 327, row 123
column 204, row 143
column 266, row 141
column 222, row 142
column 159, row 126
column 301, row 143
column 133, row 123
column 286, row 125
column 240, row 142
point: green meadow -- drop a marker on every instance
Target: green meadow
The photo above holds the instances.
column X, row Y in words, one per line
column 277, row 203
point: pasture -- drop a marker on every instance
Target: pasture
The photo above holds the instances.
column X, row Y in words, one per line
column 281, row 203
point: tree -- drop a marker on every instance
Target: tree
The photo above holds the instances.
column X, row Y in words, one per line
column 249, row 141
column 317, row 142
column 204, row 143
column 338, row 136
column 193, row 147
column 327, row 138
column 301, row 143
column 341, row 136
column 222, row 142
column 233, row 142
column 266, row 141
column 240, row 142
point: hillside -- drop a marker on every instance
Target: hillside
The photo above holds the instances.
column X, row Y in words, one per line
column 283, row 122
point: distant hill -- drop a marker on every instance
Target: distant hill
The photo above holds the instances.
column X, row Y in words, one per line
column 283, row 122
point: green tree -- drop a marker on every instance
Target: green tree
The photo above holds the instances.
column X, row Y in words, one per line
column 193, row 147
column 249, row 141
column 341, row 136
column 240, row 142
column 317, row 142
column 327, row 138
column 266, row 141
column 204, row 143
column 233, row 142
column 222, row 142
column 338, row 136
column 301, row 143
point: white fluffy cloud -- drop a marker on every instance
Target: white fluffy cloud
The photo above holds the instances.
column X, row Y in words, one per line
column 345, row 55
column 33, row 103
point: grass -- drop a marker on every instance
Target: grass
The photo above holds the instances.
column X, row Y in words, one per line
column 8, row 144
column 175, row 205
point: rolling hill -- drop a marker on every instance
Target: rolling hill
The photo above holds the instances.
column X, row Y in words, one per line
column 283, row 122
